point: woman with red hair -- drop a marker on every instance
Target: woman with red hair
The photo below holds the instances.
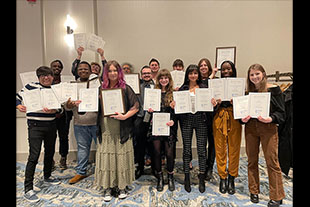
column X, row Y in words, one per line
column 115, row 156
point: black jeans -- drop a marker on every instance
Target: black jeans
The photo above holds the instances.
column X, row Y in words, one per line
column 38, row 132
column 63, row 124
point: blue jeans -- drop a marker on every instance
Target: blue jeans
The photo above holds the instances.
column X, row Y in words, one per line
column 84, row 136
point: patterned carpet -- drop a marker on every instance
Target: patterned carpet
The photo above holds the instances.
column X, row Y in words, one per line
column 143, row 191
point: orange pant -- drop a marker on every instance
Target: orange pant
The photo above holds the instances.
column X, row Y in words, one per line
column 227, row 135
column 257, row 132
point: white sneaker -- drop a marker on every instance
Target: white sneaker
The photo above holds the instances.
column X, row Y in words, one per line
column 31, row 196
column 107, row 195
column 122, row 194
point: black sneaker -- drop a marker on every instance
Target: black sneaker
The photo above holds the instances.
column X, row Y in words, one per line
column 52, row 180
column 31, row 196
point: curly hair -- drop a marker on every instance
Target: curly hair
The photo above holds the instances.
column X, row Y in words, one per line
column 169, row 87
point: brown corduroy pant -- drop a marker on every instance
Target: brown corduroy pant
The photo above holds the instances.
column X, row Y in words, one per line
column 227, row 136
column 257, row 132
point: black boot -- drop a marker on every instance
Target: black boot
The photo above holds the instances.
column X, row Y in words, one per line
column 273, row 203
column 202, row 186
column 223, row 185
column 208, row 175
column 187, row 184
column 231, row 185
column 171, row 185
column 160, row 182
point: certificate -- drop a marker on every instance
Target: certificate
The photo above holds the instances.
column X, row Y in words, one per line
column 259, row 104
column 80, row 40
column 203, row 99
column 182, row 102
column 178, row 78
column 69, row 90
column 218, row 86
column 160, row 127
column 112, row 101
column 28, row 77
column 225, row 53
column 94, row 42
column 133, row 81
column 67, row 78
column 32, row 100
column 152, row 98
column 234, row 87
column 241, row 106
column 94, row 83
column 49, row 99
column 227, row 88
column 89, row 99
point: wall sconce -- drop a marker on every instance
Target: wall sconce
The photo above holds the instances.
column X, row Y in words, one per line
column 70, row 26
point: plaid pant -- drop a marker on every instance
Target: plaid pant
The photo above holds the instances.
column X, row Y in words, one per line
column 188, row 124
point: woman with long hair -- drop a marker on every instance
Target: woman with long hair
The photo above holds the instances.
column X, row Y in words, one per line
column 227, row 137
column 115, row 156
column 264, row 130
column 164, row 82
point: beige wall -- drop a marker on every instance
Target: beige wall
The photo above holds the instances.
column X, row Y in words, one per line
column 136, row 31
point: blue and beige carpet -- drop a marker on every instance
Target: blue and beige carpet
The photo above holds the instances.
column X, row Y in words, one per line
column 143, row 191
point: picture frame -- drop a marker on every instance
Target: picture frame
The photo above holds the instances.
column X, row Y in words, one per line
column 112, row 100
column 225, row 53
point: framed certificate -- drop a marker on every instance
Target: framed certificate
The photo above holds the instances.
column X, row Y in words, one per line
column 225, row 53
column 160, row 127
column 133, row 80
column 112, row 101
column 89, row 100
column 152, row 98
column 182, row 102
column 203, row 99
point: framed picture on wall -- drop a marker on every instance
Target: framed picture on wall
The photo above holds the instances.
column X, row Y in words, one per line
column 225, row 53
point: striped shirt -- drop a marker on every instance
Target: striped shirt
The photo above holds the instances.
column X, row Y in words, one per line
column 38, row 115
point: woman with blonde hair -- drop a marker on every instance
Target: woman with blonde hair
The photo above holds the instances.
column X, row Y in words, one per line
column 264, row 130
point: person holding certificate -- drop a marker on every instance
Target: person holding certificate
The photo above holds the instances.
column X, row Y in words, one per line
column 115, row 155
column 95, row 67
column 85, row 127
column 41, row 128
column 227, row 137
column 62, row 120
column 207, row 73
column 264, row 130
column 189, row 122
column 165, row 83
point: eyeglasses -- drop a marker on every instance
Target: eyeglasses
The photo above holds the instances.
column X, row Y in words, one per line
column 146, row 73
column 43, row 76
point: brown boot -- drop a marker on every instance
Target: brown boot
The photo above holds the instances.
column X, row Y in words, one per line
column 76, row 178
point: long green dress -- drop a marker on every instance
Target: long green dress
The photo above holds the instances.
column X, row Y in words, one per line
column 114, row 161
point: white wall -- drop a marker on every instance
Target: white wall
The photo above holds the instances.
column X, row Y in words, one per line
column 136, row 31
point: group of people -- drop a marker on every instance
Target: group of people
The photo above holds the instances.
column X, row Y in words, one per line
column 218, row 134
